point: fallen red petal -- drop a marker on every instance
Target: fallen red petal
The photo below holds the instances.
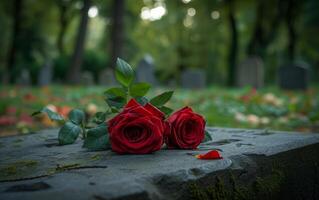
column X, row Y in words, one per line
column 211, row 155
column 7, row 120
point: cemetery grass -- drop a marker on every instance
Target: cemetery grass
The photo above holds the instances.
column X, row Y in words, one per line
column 268, row 108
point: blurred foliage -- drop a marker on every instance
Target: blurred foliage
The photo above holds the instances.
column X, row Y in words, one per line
column 191, row 34
column 268, row 108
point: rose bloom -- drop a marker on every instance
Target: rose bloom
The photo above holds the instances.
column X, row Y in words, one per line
column 137, row 129
column 186, row 129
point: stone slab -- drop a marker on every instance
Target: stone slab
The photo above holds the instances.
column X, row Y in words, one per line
column 35, row 167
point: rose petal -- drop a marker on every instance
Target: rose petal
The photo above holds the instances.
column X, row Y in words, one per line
column 211, row 155
column 152, row 109
column 131, row 103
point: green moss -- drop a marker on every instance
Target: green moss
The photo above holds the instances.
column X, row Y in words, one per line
column 96, row 157
column 197, row 192
column 239, row 192
column 218, row 190
column 60, row 168
column 8, row 171
column 28, row 163
column 17, row 168
column 266, row 187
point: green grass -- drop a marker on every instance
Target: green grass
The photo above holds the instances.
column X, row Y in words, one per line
column 269, row 108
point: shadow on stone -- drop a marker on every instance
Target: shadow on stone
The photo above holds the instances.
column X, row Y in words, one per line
column 222, row 142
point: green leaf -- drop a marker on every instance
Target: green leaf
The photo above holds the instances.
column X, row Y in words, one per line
column 76, row 116
column 100, row 117
column 97, row 138
column 52, row 115
column 115, row 97
column 68, row 133
column 114, row 110
column 115, row 92
column 139, row 89
column 141, row 100
column 208, row 137
column 161, row 99
column 166, row 110
column 124, row 72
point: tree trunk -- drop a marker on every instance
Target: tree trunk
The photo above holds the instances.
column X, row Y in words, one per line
column 257, row 37
column 117, row 31
column 290, row 20
column 232, row 57
column 262, row 35
column 77, row 57
column 275, row 23
column 63, row 25
column 12, row 52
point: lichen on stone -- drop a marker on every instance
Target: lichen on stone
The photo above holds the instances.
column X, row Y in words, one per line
column 266, row 187
column 17, row 168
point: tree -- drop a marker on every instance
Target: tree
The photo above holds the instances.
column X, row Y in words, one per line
column 269, row 15
column 65, row 16
column 117, row 32
column 12, row 53
column 290, row 19
column 76, row 60
column 233, row 48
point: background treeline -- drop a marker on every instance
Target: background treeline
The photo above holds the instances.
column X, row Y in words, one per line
column 213, row 35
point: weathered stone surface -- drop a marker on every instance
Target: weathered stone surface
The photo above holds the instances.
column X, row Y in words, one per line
column 256, row 162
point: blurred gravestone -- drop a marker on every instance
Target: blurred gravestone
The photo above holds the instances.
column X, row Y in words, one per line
column 193, row 78
column 24, row 78
column 87, row 78
column 45, row 75
column 145, row 71
column 250, row 73
column 106, row 77
column 171, row 83
column 294, row 76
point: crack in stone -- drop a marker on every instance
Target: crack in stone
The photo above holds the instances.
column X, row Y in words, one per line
column 57, row 170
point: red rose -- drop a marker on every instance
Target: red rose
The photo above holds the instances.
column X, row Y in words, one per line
column 137, row 129
column 187, row 129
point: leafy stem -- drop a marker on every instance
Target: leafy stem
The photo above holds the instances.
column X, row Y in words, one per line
column 84, row 132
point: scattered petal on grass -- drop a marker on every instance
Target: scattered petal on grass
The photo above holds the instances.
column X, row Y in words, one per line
column 91, row 109
column 64, row 110
column 211, row 155
column 7, row 120
column 253, row 119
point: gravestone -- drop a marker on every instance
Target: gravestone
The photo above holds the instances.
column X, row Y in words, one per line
column 106, row 77
column 145, row 71
column 250, row 72
column 294, row 76
column 193, row 79
column 87, row 78
column 261, row 164
column 171, row 83
column 45, row 75
column 24, row 78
